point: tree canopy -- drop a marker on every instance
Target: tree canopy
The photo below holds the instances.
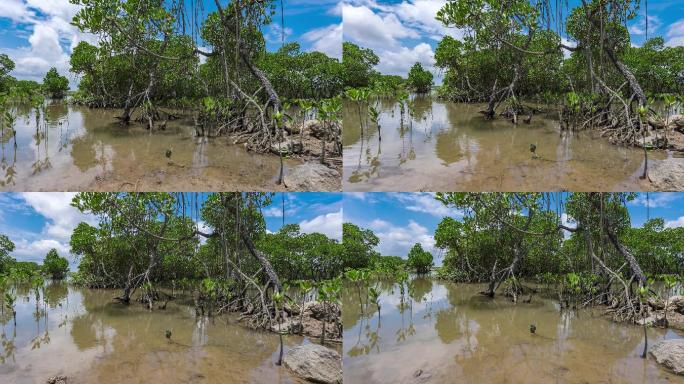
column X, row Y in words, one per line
column 358, row 65
column 419, row 259
column 55, row 85
column 358, row 246
column 6, row 247
column 419, row 79
column 55, row 266
column 146, row 240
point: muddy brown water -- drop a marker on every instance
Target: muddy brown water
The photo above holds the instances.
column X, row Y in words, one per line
column 448, row 333
column 450, row 146
column 73, row 148
column 84, row 335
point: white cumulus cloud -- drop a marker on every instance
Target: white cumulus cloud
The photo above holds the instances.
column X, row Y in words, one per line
column 329, row 224
column 397, row 240
column 60, row 220
column 425, row 203
column 675, row 34
column 398, row 33
column 51, row 36
column 679, row 222
column 326, row 39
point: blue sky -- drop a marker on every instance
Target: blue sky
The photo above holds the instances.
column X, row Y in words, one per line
column 37, row 222
column 37, row 34
column 403, row 32
column 402, row 219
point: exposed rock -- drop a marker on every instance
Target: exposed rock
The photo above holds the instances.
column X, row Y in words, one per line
column 667, row 175
column 312, row 177
column 670, row 353
column 57, row 380
column 650, row 320
column 674, row 122
column 285, row 326
column 420, row 376
column 674, row 303
column 675, row 142
column 319, row 311
column 322, row 131
column 311, row 323
column 652, row 141
column 677, row 122
column 315, row 363
column 675, row 320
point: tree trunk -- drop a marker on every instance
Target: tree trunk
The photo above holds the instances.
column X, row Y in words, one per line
column 263, row 260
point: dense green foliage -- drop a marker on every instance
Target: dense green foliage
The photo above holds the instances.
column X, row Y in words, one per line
column 582, row 245
column 473, row 70
column 295, row 255
column 6, row 66
column 303, row 75
column 472, row 252
column 583, row 242
column 419, row 259
column 12, row 89
column 358, row 65
column 512, row 51
column 360, row 255
column 55, row 85
column 215, row 245
column 658, row 68
column 388, row 264
column 145, row 55
column 419, row 79
column 358, row 244
column 55, row 266
column 658, row 249
column 108, row 78
column 167, row 247
column 155, row 58
column 6, row 247
column 23, row 271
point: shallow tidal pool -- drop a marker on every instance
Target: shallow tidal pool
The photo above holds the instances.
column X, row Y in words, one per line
column 441, row 332
column 445, row 146
column 86, row 336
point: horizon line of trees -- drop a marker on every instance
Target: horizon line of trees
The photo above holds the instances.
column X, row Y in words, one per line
column 359, row 244
column 507, row 237
column 53, row 266
column 54, row 85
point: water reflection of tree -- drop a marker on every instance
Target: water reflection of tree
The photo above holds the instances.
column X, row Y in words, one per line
column 86, row 152
column 41, row 143
column 371, row 159
column 351, row 314
column 371, row 335
column 419, row 288
column 55, row 293
column 451, row 325
column 405, row 303
column 57, row 115
column 422, row 108
column 453, row 144
column 8, row 167
column 8, row 344
column 84, row 332
column 57, row 112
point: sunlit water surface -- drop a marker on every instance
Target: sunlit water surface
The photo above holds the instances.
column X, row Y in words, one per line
column 450, row 146
column 73, row 148
column 448, row 333
column 84, row 335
